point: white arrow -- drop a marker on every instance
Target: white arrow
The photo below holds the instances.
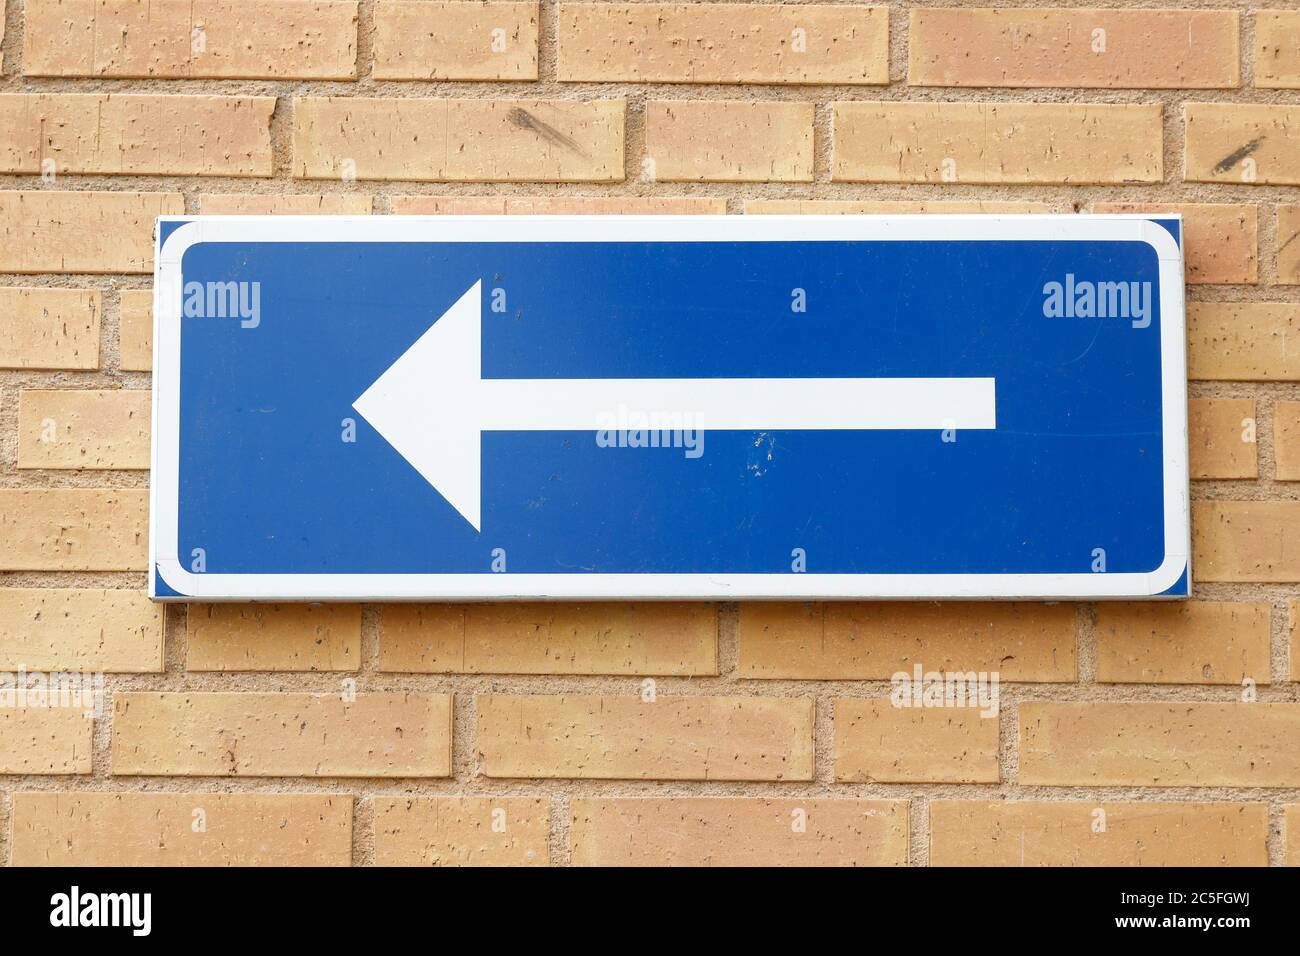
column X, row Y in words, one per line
column 432, row 405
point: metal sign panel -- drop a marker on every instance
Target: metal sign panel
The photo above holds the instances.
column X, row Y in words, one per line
column 677, row 407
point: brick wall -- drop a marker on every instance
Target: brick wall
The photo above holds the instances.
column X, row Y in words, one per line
column 653, row 733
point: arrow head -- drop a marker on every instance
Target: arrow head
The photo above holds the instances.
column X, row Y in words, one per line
column 425, row 405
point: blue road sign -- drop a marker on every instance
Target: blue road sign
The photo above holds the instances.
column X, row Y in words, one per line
column 677, row 407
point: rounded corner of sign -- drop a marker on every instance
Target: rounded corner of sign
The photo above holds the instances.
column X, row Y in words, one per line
column 170, row 582
column 1166, row 247
column 174, row 247
column 1173, row 579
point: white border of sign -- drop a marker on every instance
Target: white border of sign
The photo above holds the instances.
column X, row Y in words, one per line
column 165, row 496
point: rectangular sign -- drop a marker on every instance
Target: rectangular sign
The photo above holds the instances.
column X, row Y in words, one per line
column 669, row 407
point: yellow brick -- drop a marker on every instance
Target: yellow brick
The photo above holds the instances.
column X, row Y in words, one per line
column 1277, row 49
column 1220, row 241
column 1192, row 642
column 1246, row 541
column 462, row 831
column 135, row 331
column 557, row 205
column 159, row 829
column 654, row 638
column 711, row 831
column 42, row 740
column 81, row 231
column 678, row 738
column 1242, row 143
column 281, row 734
column 723, row 43
column 273, row 637
column 1168, row 744
column 1059, row 833
column 1288, row 245
column 49, row 328
column 1243, row 341
column 880, row 743
column 83, row 428
column 1197, row 49
column 85, row 630
column 1293, row 834
column 996, row 143
column 272, row 204
column 454, row 40
column 134, row 134
column 729, row 141
column 834, row 641
column 1286, row 440
column 459, row 140
column 797, row 207
column 219, row 39
column 1221, row 438
column 74, row 529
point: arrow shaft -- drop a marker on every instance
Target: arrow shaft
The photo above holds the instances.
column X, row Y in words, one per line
column 735, row 404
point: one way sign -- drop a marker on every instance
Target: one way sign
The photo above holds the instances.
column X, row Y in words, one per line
column 677, row 407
